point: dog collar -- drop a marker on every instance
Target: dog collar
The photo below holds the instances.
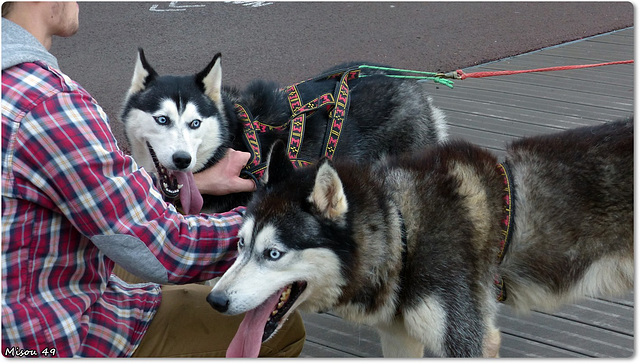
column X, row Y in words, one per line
column 508, row 223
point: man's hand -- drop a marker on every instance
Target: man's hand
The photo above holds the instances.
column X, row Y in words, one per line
column 224, row 177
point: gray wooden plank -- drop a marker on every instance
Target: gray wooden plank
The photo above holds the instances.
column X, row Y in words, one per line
column 589, row 53
column 484, row 139
column 589, row 47
column 602, row 314
column 337, row 334
column 316, row 350
column 501, row 128
column 628, row 300
column 541, row 116
column 617, row 38
column 555, row 101
column 518, row 347
column 567, row 334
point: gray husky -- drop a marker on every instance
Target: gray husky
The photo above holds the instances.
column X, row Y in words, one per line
column 423, row 246
column 180, row 125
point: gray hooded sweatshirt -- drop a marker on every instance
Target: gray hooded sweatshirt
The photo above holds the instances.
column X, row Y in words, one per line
column 19, row 46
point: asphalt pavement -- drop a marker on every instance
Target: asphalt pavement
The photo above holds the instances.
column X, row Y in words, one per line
column 290, row 41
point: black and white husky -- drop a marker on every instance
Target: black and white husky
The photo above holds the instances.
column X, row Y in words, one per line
column 424, row 246
column 178, row 125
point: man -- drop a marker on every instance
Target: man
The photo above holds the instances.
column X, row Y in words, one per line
column 73, row 205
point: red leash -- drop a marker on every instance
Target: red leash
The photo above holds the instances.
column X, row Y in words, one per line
column 460, row 75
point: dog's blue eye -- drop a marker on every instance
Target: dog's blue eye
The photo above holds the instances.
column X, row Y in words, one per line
column 162, row 120
column 273, row 254
column 195, row 124
column 240, row 244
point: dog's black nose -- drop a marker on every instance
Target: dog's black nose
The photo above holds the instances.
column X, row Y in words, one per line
column 181, row 159
column 219, row 301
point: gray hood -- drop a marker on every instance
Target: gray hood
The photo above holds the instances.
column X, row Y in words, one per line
column 19, row 46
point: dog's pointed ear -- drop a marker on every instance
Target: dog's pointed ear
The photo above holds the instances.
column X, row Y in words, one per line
column 328, row 194
column 278, row 164
column 210, row 79
column 143, row 74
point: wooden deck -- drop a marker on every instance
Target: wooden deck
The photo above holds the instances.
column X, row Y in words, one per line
column 490, row 112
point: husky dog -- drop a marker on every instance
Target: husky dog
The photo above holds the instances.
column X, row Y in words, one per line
column 179, row 125
column 422, row 246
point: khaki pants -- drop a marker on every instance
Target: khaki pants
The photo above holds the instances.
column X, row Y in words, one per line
column 187, row 326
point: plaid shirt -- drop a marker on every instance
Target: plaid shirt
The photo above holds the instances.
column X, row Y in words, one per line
column 64, row 180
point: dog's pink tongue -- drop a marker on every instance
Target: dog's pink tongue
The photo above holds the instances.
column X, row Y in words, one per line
column 246, row 343
column 190, row 197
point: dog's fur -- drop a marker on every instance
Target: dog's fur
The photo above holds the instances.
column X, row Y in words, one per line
column 386, row 116
column 334, row 234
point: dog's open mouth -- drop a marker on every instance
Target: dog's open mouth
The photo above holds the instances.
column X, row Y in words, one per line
column 261, row 323
column 174, row 184
column 168, row 184
column 287, row 298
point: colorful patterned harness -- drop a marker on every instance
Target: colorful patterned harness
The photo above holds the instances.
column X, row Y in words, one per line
column 507, row 225
column 336, row 102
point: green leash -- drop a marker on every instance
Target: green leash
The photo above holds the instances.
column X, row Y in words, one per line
column 410, row 74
